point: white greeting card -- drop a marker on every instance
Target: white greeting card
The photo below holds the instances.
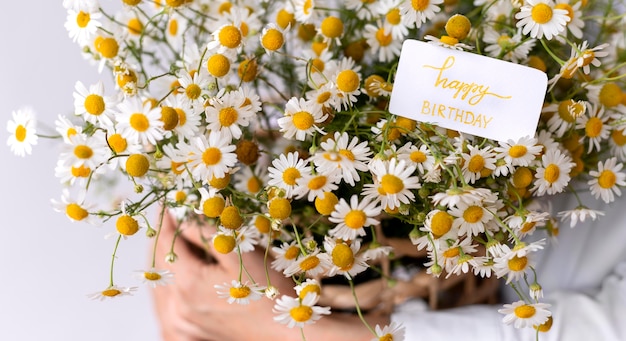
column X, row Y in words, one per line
column 467, row 92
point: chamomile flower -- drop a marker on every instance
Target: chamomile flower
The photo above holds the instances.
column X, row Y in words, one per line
column 579, row 214
column 227, row 39
column 419, row 156
column 396, row 182
column 511, row 265
column 111, row 292
column 417, row 12
column 364, row 10
column 76, row 209
column 310, row 285
column 240, row 293
column 595, row 125
column 466, row 194
column 382, row 42
column 82, row 24
column 313, row 264
column 272, row 38
column 285, row 172
column 66, row 128
column 193, row 88
column 605, row 181
column 447, row 42
column 298, row 312
column 520, row 153
column 189, row 118
column 575, row 24
column 477, row 162
column 315, row 185
column 349, row 155
column 208, row 157
column 247, row 238
column 541, row 18
column 305, row 10
column 228, row 114
column 344, row 258
column 285, row 255
column 438, row 227
column 92, row 105
column 470, row 219
column 139, row 122
column 522, row 314
column 22, row 129
column 301, row 118
column 553, row 174
column 351, row 218
column 331, row 30
column 510, row 48
column 154, row 277
column 617, row 142
column 345, row 75
column 251, row 181
column 394, row 22
column 393, row 332
column 83, row 150
column 565, row 116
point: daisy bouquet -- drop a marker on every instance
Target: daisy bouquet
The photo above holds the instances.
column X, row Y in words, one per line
column 270, row 121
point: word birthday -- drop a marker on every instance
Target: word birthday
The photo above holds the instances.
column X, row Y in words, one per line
column 478, row 91
column 455, row 114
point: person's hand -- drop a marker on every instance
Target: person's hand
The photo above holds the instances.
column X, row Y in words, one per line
column 190, row 310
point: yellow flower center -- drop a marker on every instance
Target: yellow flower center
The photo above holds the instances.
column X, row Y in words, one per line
column 593, row 127
column 452, row 252
column 552, row 173
column 618, row 137
column 230, row 36
column 323, row 97
column 134, row 26
column 152, row 276
column 228, row 116
column 279, row 208
column 211, row 156
column 108, row 47
column 131, row 2
column 230, row 218
column 317, row 65
column 308, row 5
column 137, row 165
column 111, row 292
column 224, row 243
column 75, row 212
column 241, row 292
column 172, row 28
column 117, row 143
column 218, row 65
column 139, row 122
column 81, row 171
column 525, row 311
column 347, row 81
column 420, row 5
column 82, row 19
column 386, row 337
column 290, row 175
column 301, row 313
column 272, row 39
column 458, row 26
column 126, row 225
column 303, row 120
column 355, row 219
column 568, row 8
column 382, row 38
column 308, row 289
column 440, row 224
column 309, row 263
column 476, row 164
column 448, row 40
column 393, row 17
column 541, row 13
column 247, row 71
column 262, row 224
column 220, row 183
column 83, row 152
column 292, row 252
column 417, row 156
column 564, row 111
column 94, row 104
column 20, row 133
column 347, row 154
column 225, row 7
column 325, row 204
column 517, row 150
column 342, row 256
column 391, row 184
column 175, row 3
column 193, row 91
column 317, row 182
column 546, row 326
column 169, row 117
column 332, row 27
column 182, row 116
column 213, row 207
column 528, row 226
column 177, row 167
column 473, row 214
column 284, row 18
column 607, row 179
column 244, row 29
column 610, row 95
column 180, row 197
column 518, row 263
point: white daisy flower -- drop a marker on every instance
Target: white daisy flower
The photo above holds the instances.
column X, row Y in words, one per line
column 189, row 117
column 193, row 88
column 82, row 24
column 595, row 124
column 416, row 13
column 420, row 156
column 139, row 122
column 154, row 277
column 470, row 220
column 447, row 42
column 285, row 255
column 286, row 171
column 227, row 39
column 580, row 213
column 305, row 10
column 315, row 185
column 522, row 314
column 240, row 293
column 394, row 23
column 272, row 38
column 605, row 181
column 393, row 332
column 526, row 223
column 565, row 115
column 454, row 196
column 553, row 174
column 344, row 258
column 92, row 105
column 396, row 182
column 540, row 18
column 381, row 42
column 23, row 131
column 477, row 161
column 439, row 226
column 247, row 238
column 313, row 264
column 511, row 265
column 251, row 181
column 66, row 128
column 82, row 150
column 111, row 292
column 301, row 118
column 296, row 312
column 617, row 142
column 121, row 148
column 76, row 209
column 344, row 153
column 501, row 45
column 208, row 157
column 347, row 79
column 352, row 218
column 228, row 114
column 575, row 24
column 520, row 153
column 310, row 285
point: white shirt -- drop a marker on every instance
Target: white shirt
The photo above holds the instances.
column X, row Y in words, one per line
column 583, row 277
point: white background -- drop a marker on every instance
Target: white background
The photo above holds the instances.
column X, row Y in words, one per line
column 48, row 264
